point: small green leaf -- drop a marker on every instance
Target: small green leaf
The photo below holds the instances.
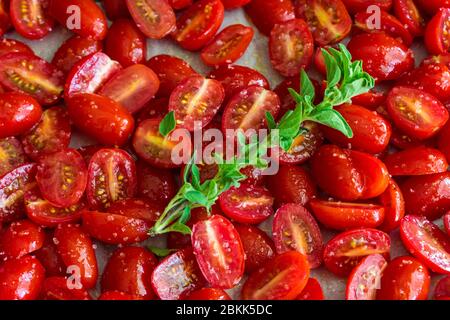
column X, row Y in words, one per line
column 195, row 196
column 167, row 124
column 270, row 121
column 180, row 228
column 195, row 176
column 295, row 95
column 333, row 119
column 333, row 70
column 186, row 216
column 161, row 252
column 307, row 87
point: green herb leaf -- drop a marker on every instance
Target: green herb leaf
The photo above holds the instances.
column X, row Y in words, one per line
column 270, row 121
column 307, row 87
column 161, row 252
column 333, row 119
column 333, row 70
column 167, row 124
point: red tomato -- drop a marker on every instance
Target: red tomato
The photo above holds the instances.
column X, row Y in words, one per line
column 49, row 257
column 228, row 46
column 364, row 281
column 404, row 278
column 291, row 47
column 12, row 155
column 18, row 113
column 234, row 78
column 115, row 9
column 437, row 33
column 347, row 249
column 5, row 22
column 170, row 71
column 116, row 295
column 13, row 45
column 427, row 195
column 59, row 288
column 198, row 24
column 247, row 204
column 157, row 150
column 258, row 247
column 101, row 118
column 138, row 209
column 433, row 6
column 62, row 177
column 394, row 207
column 420, row 123
column 312, row 291
column 407, row 12
column 442, row 290
column 155, row 108
column 29, row 74
column 111, row 177
column 177, row 275
column 371, row 132
column 433, row 78
column 349, row 175
column 371, row 99
column 416, row 161
column 402, row 141
column 280, row 10
column 219, row 252
column 388, row 24
column 132, row 87
column 125, row 43
column 154, row 18
column 21, row 279
column 440, row 58
column 291, row 184
column 196, row 99
column 344, row 215
column 294, row 228
column 129, row 270
column 156, row 185
column 354, row 6
column 282, row 278
column 180, row 4
column 51, row 134
column 427, row 242
column 77, row 252
column 247, row 109
column 383, row 57
column 21, row 238
column 13, row 185
column 443, row 142
column 328, row 20
column 447, row 222
column 93, row 23
column 30, row 18
column 208, row 294
column 89, row 74
column 73, row 50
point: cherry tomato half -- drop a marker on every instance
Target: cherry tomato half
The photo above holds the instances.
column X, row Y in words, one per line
column 13, row 45
column 407, row 13
column 49, row 257
column 394, row 207
column 280, row 10
column 437, row 33
column 30, row 18
column 312, row 291
column 11, row 155
column 416, row 161
column 21, row 238
column 156, row 185
column 447, row 222
column 58, row 288
column 433, row 6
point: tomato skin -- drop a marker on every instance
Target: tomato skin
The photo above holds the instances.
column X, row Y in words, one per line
column 138, row 209
column 129, row 270
column 125, row 43
column 342, row 216
column 280, row 10
column 234, row 78
column 21, row 238
column 291, row 272
column 73, row 50
column 12, row 187
column 427, row 242
column 18, row 113
column 442, row 290
column 117, row 296
column 228, row 46
column 258, row 247
column 427, row 195
column 407, row 12
column 132, row 87
column 13, row 155
column 115, row 9
column 30, row 20
column 416, row 161
column 224, row 272
column 365, row 277
column 328, row 20
column 354, row 6
column 21, row 279
column 370, row 100
column 247, row 204
column 155, row 108
column 208, row 294
column 289, row 62
column 443, row 143
column 312, row 291
column 180, row 4
column 49, row 257
column 57, row 288
column 384, row 57
column 371, row 132
column 437, row 39
column 404, row 278
column 447, row 222
column 93, row 24
column 177, row 275
column 394, row 207
column 156, row 185
column 433, row 6
column 5, row 22
column 101, row 118
column 347, row 249
column 13, row 45
column 170, row 71
column 199, row 24
column 292, row 184
column 76, row 249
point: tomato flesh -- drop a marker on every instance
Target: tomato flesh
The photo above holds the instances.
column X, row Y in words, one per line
column 11, row 155
column 437, row 33
column 394, row 207
column 30, row 18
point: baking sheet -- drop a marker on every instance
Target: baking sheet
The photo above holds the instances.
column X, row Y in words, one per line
column 256, row 57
